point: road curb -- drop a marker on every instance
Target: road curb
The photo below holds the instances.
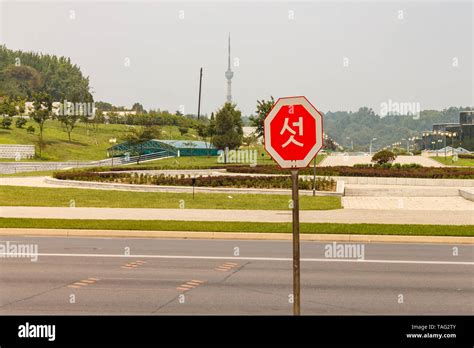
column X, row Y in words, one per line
column 234, row 236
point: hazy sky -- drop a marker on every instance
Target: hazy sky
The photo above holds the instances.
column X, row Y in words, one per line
column 282, row 48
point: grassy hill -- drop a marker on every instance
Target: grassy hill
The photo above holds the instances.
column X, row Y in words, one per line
column 86, row 144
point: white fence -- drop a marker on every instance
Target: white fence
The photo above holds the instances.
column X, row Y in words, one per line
column 17, row 152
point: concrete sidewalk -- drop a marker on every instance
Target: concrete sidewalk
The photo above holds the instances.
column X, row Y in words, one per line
column 341, row 160
column 443, row 205
column 401, row 216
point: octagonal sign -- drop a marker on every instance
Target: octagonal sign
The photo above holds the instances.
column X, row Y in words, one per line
column 293, row 132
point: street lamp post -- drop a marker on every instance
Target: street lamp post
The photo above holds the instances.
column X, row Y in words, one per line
column 445, row 150
column 408, row 144
column 425, row 140
column 452, row 144
column 370, row 146
column 352, row 143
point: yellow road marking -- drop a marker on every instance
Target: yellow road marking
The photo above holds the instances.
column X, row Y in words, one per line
column 79, row 283
column 193, row 283
column 88, row 281
column 93, row 279
column 226, row 266
column 188, row 286
column 133, row 264
column 73, row 286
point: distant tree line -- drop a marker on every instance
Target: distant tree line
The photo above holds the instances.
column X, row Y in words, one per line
column 358, row 128
column 23, row 74
column 363, row 125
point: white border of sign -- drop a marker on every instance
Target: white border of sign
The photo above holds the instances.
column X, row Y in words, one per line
column 319, row 131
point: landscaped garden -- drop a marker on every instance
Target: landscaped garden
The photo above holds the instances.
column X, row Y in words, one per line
column 267, row 182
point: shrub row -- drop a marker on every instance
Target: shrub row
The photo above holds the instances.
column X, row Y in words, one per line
column 423, row 172
column 283, row 182
column 388, row 165
column 466, row 156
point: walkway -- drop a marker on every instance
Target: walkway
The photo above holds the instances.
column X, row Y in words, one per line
column 341, row 160
column 399, row 216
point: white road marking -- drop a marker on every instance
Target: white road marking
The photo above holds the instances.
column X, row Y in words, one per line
column 190, row 257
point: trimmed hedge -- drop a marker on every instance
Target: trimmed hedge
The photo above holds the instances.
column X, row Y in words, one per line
column 389, row 165
column 466, row 156
column 366, row 171
column 283, row 182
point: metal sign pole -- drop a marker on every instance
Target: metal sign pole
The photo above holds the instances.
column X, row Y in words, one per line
column 314, row 177
column 296, row 242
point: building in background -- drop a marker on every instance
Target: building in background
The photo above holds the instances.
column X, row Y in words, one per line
column 451, row 134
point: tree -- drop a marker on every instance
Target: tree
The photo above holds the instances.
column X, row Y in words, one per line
column 228, row 128
column 6, row 122
column 8, row 107
column 137, row 137
column 249, row 140
column 183, row 130
column 383, row 157
column 26, row 73
column 20, row 81
column 202, row 131
column 68, row 122
column 21, row 105
column 20, row 122
column 138, row 108
column 69, row 117
column 263, row 108
column 211, row 129
column 103, row 106
column 43, row 109
column 30, row 130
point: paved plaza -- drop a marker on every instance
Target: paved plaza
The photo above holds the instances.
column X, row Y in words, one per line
column 348, row 160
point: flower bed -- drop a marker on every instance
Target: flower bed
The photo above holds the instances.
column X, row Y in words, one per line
column 266, row 182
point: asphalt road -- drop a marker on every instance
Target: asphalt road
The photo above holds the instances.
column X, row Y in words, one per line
column 153, row 278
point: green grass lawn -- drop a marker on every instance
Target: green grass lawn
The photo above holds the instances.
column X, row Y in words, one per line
column 261, row 227
column 59, row 197
column 181, row 163
column 448, row 161
column 38, row 173
column 203, row 161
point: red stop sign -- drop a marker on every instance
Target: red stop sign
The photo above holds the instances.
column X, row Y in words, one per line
column 293, row 132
